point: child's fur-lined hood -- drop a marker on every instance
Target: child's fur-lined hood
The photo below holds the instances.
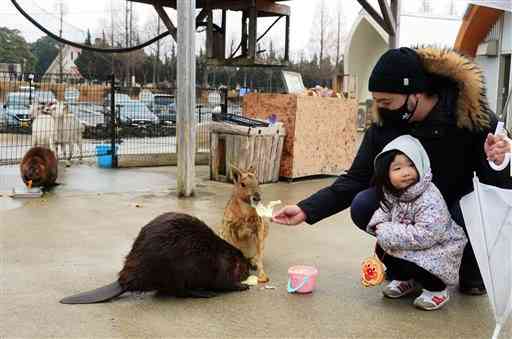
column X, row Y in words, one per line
column 472, row 108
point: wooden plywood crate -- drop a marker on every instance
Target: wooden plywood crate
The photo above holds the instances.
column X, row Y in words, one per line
column 321, row 134
column 245, row 146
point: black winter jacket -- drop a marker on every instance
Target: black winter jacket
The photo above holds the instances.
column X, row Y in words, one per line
column 453, row 134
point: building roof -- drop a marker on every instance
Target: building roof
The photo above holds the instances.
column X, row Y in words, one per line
column 419, row 30
column 504, row 5
column 477, row 22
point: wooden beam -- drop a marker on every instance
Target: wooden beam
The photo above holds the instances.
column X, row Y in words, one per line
column 270, row 7
column 186, row 101
column 223, row 23
column 267, row 6
column 159, row 159
column 387, row 14
column 373, row 13
column 244, row 34
column 253, row 22
column 287, row 40
column 209, row 34
column 167, row 21
column 202, row 15
column 394, row 39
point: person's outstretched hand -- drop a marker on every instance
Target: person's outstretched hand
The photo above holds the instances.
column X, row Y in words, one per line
column 289, row 215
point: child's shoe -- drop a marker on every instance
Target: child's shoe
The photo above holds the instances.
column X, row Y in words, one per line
column 399, row 288
column 430, row 301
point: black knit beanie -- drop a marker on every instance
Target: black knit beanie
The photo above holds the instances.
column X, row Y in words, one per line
column 398, row 71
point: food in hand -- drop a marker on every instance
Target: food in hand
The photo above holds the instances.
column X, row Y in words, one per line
column 266, row 211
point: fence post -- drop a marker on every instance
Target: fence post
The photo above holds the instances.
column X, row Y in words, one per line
column 224, row 106
column 113, row 120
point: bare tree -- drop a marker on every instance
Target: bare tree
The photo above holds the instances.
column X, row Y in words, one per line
column 453, row 9
column 157, row 54
column 321, row 35
column 61, row 10
column 425, row 7
column 323, row 19
column 338, row 33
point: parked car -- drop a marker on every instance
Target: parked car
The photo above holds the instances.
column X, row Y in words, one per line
column 146, row 96
column 71, row 95
column 16, row 110
column 136, row 113
column 119, row 99
column 164, row 106
column 43, row 97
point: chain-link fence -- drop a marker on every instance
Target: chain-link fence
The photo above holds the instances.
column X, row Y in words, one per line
column 77, row 119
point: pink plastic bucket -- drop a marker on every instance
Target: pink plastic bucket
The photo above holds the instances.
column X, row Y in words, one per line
column 302, row 279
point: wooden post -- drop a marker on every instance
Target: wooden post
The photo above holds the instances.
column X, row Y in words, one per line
column 244, row 34
column 394, row 39
column 209, row 34
column 287, row 40
column 253, row 22
column 186, row 74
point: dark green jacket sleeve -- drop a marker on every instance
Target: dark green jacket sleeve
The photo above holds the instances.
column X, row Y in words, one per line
column 338, row 196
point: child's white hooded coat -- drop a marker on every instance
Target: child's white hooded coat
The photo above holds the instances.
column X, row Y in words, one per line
column 419, row 228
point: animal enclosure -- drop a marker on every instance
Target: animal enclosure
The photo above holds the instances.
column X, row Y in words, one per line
column 75, row 119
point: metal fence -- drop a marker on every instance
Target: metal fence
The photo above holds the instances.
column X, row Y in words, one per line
column 83, row 120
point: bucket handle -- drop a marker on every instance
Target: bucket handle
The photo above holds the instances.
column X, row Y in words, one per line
column 292, row 290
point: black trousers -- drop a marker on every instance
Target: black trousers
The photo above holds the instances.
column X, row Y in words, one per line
column 401, row 269
column 366, row 203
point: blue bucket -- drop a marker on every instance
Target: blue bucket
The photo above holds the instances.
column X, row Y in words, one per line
column 104, row 155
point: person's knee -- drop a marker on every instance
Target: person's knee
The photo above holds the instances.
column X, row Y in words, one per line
column 362, row 208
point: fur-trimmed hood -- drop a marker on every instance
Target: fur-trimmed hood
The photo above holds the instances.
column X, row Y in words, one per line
column 472, row 108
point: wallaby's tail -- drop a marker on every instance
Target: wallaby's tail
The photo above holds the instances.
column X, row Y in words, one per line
column 98, row 295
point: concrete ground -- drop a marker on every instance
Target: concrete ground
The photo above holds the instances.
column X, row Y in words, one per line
column 75, row 238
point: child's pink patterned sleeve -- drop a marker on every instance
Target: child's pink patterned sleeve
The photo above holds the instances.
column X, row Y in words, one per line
column 378, row 217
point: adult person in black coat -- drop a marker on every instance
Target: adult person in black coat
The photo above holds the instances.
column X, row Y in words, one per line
column 437, row 96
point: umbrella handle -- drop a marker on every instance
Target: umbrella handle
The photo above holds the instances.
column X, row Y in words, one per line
column 497, row 330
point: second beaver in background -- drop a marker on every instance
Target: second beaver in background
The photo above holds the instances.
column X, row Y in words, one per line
column 39, row 168
column 176, row 254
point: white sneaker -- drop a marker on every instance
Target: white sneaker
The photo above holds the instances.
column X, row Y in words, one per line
column 430, row 301
column 399, row 288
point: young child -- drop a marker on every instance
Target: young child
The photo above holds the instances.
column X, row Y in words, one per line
column 417, row 240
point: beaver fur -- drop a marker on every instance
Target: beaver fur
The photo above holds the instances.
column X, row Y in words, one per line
column 176, row 254
column 39, row 165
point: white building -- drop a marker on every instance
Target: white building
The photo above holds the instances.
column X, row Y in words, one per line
column 486, row 34
column 69, row 69
column 367, row 41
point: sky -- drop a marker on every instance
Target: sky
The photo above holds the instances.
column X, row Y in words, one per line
column 94, row 14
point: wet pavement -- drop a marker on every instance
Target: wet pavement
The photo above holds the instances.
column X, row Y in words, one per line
column 75, row 238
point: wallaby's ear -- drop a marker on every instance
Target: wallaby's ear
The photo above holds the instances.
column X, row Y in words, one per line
column 236, row 173
column 252, row 169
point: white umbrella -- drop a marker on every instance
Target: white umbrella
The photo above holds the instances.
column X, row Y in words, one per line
column 488, row 216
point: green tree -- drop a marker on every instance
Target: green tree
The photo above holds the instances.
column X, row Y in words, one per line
column 14, row 49
column 86, row 60
column 93, row 65
column 45, row 51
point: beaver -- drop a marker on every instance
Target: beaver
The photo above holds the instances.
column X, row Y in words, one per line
column 175, row 254
column 39, row 168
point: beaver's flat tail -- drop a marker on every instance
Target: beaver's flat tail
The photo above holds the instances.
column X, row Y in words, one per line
column 98, row 295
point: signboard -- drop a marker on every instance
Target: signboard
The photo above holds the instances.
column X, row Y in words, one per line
column 293, row 82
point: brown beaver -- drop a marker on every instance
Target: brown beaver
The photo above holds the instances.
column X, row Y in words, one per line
column 39, row 168
column 176, row 254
